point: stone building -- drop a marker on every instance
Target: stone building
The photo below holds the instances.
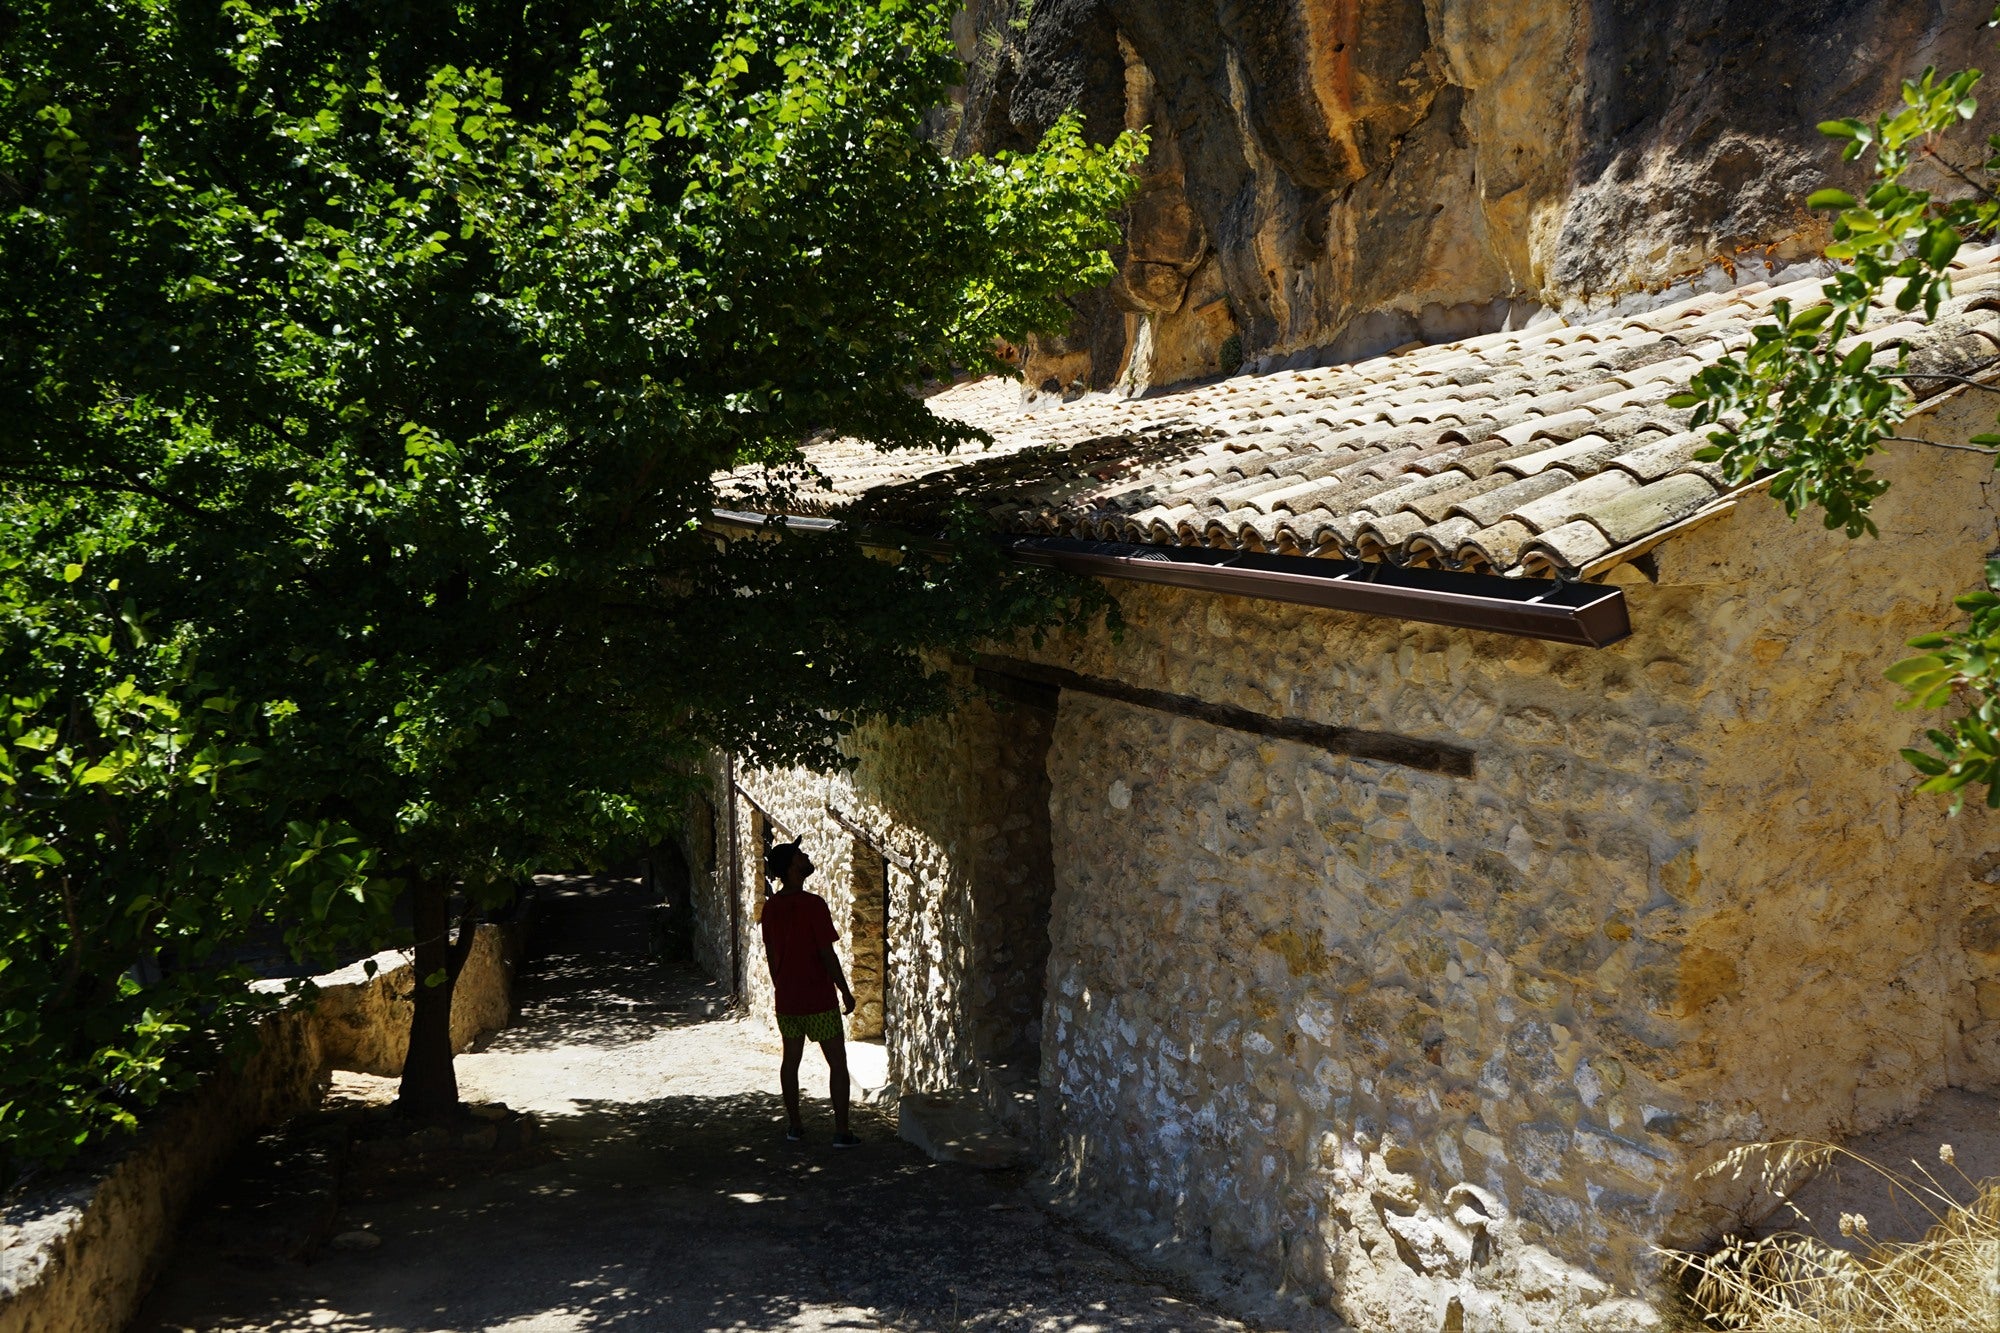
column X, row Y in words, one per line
column 1485, row 821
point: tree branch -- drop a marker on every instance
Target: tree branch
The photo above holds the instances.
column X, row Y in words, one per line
column 1937, row 375
column 1958, row 171
column 128, row 485
column 74, row 970
column 1940, row 444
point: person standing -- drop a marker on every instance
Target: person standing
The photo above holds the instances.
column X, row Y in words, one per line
column 806, row 973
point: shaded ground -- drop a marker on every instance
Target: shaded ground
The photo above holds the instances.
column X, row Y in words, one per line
column 670, row 1200
column 1895, row 1178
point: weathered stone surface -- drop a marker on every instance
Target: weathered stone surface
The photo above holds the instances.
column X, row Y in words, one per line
column 1414, row 1044
column 955, row 1128
column 1366, row 173
column 364, row 1021
column 952, row 816
column 77, row 1254
column 1830, row 921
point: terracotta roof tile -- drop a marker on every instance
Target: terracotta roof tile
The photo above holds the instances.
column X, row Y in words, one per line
column 1532, row 450
column 1568, row 503
column 1583, row 455
column 1379, row 538
column 1562, row 551
column 1438, row 544
column 1668, row 454
column 1410, row 487
column 1659, row 504
column 1441, row 505
column 1496, row 505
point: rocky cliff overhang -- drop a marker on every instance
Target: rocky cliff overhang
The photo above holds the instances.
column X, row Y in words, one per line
column 1330, row 179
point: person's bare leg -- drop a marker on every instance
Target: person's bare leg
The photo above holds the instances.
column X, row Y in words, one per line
column 788, row 1081
column 837, row 1089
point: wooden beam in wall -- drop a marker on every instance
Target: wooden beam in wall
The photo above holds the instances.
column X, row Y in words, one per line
column 868, row 840
column 1007, row 676
column 777, row 825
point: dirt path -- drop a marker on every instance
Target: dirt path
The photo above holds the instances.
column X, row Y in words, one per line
column 671, row 1200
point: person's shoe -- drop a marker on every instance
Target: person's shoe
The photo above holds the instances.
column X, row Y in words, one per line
column 844, row 1139
column 795, row 1136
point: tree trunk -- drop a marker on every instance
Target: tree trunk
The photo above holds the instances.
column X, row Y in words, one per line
column 430, row 1084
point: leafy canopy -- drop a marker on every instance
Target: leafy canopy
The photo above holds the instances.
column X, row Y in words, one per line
column 140, row 849
column 379, row 358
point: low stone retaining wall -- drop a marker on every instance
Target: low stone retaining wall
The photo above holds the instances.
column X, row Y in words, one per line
column 363, row 1022
column 77, row 1255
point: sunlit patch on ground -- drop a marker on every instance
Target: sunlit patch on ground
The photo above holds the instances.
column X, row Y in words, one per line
column 670, row 1200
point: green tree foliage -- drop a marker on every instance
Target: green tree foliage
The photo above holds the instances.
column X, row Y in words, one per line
column 1810, row 401
column 139, row 848
column 384, row 354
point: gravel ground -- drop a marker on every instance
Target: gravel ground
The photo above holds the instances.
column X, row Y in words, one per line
column 667, row 1198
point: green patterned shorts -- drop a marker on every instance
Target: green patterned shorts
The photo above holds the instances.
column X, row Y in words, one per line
column 813, row 1027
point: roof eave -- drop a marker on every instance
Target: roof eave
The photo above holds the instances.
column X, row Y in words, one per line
column 1590, row 615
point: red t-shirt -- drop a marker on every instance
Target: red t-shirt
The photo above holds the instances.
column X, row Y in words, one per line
column 796, row 927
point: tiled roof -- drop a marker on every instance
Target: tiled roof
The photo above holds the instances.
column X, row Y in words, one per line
column 1545, row 451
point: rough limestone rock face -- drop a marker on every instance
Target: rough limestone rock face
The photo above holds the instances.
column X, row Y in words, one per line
column 1333, row 178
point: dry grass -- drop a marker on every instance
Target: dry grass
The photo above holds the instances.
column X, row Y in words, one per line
column 1792, row 1283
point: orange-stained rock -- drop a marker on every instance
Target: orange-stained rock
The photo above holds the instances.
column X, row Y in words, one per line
column 1369, row 173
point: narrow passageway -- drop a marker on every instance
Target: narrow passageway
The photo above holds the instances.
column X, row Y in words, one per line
column 667, row 1198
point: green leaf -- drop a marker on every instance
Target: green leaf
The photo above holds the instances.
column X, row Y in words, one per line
column 1832, row 198
column 1940, row 246
column 1924, row 763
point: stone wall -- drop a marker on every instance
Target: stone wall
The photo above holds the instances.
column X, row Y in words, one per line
column 1414, row 1044
column 954, row 815
column 1828, row 936
column 78, row 1254
column 1326, row 1020
column 708, row 827
column 363, row 1022
column 1332, row 178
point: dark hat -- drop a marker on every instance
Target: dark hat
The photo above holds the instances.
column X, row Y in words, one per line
column 779, row 858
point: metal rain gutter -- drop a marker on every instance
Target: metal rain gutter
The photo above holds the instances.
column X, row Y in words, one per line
column 1585, row 613
column 1590, row 614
